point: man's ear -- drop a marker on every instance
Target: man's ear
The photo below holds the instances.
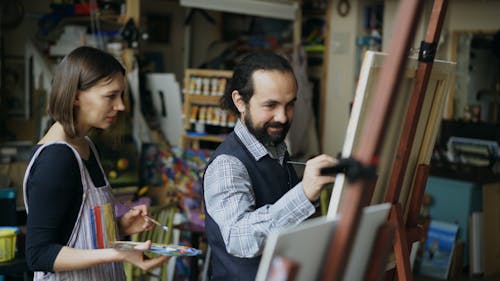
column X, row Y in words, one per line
column 238, row 101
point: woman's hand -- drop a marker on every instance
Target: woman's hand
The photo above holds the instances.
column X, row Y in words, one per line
column 76, row 259
column 138, row 259
column 134, row 221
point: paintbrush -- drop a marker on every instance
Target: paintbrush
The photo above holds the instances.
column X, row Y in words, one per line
column 146, row 217
column 296, row 163
column 164, row 227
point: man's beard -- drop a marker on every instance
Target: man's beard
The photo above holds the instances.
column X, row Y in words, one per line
column 263, row 136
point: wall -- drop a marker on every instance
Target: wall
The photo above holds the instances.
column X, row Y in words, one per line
column 341, row 80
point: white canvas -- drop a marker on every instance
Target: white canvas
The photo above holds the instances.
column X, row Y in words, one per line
column 373, row 217
column 166, row 95
column 306, row 244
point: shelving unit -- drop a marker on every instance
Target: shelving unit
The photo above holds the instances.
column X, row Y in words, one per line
column 204, row 120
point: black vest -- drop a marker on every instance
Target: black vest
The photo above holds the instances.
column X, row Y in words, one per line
column 270, row 182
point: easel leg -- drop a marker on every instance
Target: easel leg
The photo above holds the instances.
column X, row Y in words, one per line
column 401, row 251
column 415, row 231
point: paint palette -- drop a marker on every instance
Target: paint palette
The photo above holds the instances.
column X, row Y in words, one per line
column 160, row 249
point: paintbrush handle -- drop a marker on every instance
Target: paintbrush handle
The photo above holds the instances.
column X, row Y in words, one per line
column 153, row 220
column 146, row 217
column 296, row 163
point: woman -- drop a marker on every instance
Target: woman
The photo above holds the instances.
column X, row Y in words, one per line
column 67, row 195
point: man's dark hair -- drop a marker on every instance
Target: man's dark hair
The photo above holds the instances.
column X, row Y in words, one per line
column 242, row 76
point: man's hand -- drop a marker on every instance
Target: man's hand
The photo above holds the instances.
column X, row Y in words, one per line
column 313, row 181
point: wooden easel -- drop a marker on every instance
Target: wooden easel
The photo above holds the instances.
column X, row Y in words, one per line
column 359, row 192
column 410, row 232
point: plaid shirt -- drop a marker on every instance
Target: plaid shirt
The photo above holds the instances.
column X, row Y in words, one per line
column 230, row 200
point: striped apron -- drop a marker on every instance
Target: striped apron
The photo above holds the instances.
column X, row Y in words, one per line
column 95, row 226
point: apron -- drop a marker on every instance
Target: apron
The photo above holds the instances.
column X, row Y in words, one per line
column 95, row 226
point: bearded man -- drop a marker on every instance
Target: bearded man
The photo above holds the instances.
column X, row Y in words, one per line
column 249, row 188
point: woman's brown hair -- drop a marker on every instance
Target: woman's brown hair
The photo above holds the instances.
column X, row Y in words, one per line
column 81, row 69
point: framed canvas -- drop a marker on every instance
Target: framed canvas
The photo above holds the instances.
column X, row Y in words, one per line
column 425, row 136
column 438, row 249
column 295, row 245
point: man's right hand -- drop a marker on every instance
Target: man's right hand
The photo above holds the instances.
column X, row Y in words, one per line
column 313, row 181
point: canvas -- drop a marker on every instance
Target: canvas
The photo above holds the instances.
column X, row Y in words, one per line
column 308, row 243
column 166, row 97
column 438, row 249
column 425, row 136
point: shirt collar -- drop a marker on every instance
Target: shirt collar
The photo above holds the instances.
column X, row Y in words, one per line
column 256, row 148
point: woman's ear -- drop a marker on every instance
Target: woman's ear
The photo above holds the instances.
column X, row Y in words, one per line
column 238, row 101
column 77, row 99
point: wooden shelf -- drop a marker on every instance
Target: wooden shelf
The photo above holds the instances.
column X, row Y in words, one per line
column 200, row 99
column 194, row 141
column 190, row 100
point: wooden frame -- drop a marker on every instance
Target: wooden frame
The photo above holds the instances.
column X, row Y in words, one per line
column 425, row 136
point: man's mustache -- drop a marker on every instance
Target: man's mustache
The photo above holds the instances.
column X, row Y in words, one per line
column 277, row 125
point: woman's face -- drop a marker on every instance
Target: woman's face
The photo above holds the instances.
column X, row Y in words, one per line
column 98, row 106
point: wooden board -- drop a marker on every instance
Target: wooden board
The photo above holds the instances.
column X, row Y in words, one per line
column 425, row 135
